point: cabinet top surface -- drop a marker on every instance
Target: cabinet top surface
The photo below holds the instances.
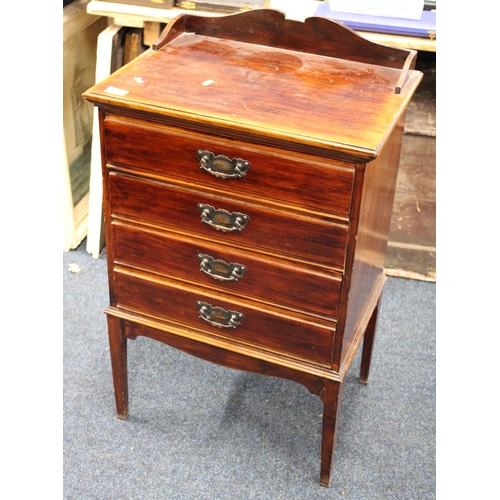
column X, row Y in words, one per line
column 300, row 96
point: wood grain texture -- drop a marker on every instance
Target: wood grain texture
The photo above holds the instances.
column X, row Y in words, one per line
column 297, row 335
column 118, row 351
column 279, row 233
column 316, row 35
column 368, row 339
column 271, row 281
column 376, row 202
column 331, row 396
column 171, row 154
column 318, row 129
column 411, row 249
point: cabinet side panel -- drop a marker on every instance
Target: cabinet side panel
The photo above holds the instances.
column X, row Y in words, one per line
column 106, row 202
column 372, row 236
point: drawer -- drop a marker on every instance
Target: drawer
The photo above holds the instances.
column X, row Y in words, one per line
column 231, row 271
column 311, row 240
column 183, row 305
column 275, row 174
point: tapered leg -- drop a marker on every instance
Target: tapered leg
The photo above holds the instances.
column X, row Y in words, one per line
column 331, row 396
column 118, row 349
column 369, row 337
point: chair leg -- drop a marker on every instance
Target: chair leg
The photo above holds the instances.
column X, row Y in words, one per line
column 368, row 340
column 118, row 349
column 331, row 396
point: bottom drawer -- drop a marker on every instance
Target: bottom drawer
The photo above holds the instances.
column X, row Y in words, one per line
column 269, row 329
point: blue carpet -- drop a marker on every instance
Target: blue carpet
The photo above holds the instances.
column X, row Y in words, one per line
column 201, row 431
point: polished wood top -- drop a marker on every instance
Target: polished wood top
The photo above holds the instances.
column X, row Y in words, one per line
column 310, row 98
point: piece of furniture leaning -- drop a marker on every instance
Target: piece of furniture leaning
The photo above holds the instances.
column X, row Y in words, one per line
column 249, row 166
column 80, row 32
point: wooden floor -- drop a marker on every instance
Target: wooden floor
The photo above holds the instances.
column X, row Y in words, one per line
column 412, row 240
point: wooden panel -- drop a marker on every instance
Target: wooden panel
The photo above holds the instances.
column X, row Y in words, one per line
column 411, row 250
column 414, row 212
column 271, row 281
column 293, row 336
column 372, row 232
column 79, row 63
column 315, row 35
column 172, row 154
column 80, row 32
column 279, row 233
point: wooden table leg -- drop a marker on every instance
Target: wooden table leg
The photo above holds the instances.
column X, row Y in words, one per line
column 118, row 349
column 331, row 396
column 368, row 339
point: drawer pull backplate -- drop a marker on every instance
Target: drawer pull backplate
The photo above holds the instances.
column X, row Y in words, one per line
column 221, row 166
column 221, row 219
column 220, row 270
column 218, row 316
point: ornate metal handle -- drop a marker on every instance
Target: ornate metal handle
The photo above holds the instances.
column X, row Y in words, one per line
column 218, row 316
column 220, row 270
column 221, row 219
column 221, row 166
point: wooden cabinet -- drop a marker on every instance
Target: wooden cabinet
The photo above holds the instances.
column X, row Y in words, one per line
column 249, row 166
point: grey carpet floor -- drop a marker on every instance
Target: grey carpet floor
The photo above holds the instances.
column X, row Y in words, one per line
column 201, row 431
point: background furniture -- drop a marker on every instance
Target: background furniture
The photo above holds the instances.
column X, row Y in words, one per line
column 411, row 251
column 276, row 184
column 80, row 32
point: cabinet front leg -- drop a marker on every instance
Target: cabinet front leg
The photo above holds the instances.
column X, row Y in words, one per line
column 331, row 396
column 118, row 349
column 368, row 339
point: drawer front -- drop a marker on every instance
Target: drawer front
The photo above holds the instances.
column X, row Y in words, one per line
column 184, row 306
column 228, row 270
column 275, row 174
column 168, row 206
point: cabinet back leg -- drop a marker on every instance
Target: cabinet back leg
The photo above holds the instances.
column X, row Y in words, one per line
column 331, row 396
column 368, row 340
column 118, row 350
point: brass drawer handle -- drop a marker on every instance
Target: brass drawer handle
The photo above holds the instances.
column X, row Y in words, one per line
column 220, row 270
column 218, row 316
column 221, row 166
column 221, row 219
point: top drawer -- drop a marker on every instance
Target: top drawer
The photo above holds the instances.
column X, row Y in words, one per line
column 274, row 174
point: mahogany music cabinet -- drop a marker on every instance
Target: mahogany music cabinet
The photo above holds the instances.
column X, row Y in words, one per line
column 249, row 165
